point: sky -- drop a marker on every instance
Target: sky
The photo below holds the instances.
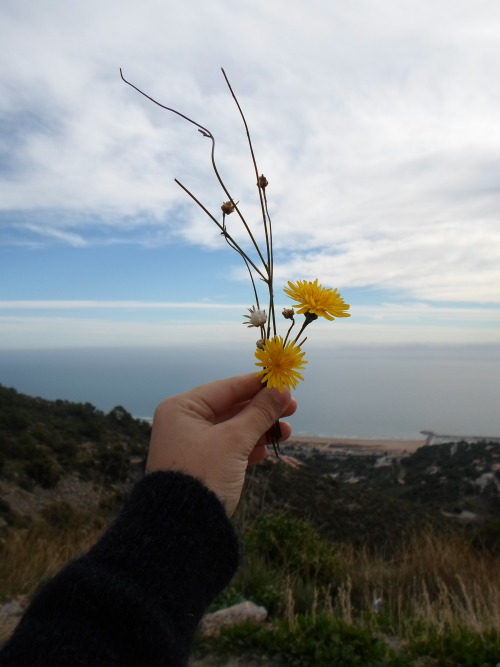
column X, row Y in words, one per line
column 375, row 123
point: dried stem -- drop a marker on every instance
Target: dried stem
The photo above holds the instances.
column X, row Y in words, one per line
column 254, row 161
column 267, row 273
column 223, row 230
column 206, row 133
column 288, row 332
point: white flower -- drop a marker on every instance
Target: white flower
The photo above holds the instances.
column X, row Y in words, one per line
column 257, row 318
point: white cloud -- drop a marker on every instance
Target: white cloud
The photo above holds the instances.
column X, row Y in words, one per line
column 376, row 126
column 387, row 324
column 108, row 305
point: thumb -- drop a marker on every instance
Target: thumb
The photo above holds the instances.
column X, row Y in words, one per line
column 260, row 414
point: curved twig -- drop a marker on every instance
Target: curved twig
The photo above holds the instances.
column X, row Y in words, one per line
column 222, row 228
column 206, row 133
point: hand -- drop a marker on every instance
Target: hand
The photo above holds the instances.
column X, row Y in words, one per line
column 215, row 431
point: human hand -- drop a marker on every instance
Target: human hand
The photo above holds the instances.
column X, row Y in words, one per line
column 215, row 431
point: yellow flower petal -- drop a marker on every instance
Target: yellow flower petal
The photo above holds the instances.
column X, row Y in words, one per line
column 313, row 298
column 280, row 363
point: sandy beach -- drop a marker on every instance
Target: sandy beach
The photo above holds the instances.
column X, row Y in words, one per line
column 354, row 444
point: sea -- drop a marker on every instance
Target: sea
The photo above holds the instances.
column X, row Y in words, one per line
column 349, row 392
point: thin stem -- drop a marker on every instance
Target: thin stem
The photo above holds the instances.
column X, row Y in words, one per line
column 230, row 244
column 263, row 205
column 206, row 133
column 222, row 228
column 306, row 322
column 204, row 130
column 273, row 437
column 271, row 264
column 253, row 158
column 288, row 332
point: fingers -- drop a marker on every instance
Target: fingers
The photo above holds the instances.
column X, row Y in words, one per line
column 221, row 396
column 235, row 409
column 258, row 416
column 286, row 431
column 260, row 451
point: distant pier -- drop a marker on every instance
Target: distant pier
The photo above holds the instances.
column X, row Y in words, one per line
column 439, row 439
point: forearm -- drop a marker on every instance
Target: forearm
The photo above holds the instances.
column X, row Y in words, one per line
column 138, row 595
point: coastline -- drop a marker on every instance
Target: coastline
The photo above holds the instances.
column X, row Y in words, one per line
column 360, row 445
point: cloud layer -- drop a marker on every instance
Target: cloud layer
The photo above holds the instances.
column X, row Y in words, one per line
column 376, row 124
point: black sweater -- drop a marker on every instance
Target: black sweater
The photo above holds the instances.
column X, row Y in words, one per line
column 137, row 596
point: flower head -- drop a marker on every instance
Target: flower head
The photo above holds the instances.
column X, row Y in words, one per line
column 257, row 318
column 316, row 299
column 228, row 207
column 262, row 182
column 280, row 363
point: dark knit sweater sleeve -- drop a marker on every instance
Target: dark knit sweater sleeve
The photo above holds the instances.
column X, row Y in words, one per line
column 138, row 595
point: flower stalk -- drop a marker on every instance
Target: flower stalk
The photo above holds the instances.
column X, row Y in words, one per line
column 280, row 360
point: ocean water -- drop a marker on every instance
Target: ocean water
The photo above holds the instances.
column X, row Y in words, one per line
column 363, row 392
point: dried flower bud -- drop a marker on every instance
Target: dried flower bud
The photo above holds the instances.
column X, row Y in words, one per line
column 288, row 313
column 257, row 318
column 261, row 343
column 262, row 182
column 228, row 207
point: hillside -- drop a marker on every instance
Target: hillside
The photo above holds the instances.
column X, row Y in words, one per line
column 359, row 558
column 72, row 453
column 58, row 451
column 461, row 479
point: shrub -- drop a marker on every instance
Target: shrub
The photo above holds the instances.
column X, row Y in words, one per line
column 321, row 641
column 60, row 515
column 114, row 463
column 5, row 511
column 460, row 647
column 44, row 471
column 487, row 536
column 293, row 546
column 14, row 419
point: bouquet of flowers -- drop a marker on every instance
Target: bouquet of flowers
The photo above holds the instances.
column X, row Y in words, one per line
column 280, row 358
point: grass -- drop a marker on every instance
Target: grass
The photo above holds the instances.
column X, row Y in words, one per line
column 433, row 600
column 30, row 556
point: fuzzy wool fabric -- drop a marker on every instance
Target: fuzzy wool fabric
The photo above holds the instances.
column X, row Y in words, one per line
column 136, row 598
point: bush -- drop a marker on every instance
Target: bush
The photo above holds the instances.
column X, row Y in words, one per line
column 60, row 515
column 5, row 511
column 488, row 536
column 321, row 641
column 292, row 546
column 14, row 419
column 461, row 648
column 66, row 451
column 44, row 471
column 114, row 463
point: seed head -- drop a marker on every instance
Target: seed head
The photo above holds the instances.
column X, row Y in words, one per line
column 228, row 207
column 262, row 182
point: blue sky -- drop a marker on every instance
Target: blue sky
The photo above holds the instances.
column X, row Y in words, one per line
column 376, row 123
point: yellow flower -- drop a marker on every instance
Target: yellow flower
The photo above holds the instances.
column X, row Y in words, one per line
column 280, row 363
column 316, row 299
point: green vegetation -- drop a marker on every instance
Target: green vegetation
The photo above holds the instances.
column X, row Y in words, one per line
column 367, row 574
column 433, row 600
column 42, row 440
